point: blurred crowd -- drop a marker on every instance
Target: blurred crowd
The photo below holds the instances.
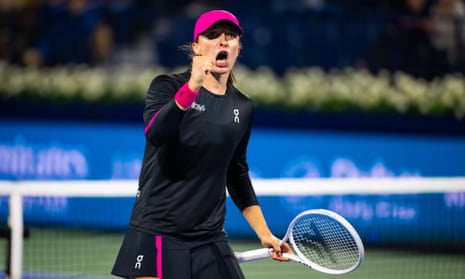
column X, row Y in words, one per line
column 38, row 33
column 425, row 38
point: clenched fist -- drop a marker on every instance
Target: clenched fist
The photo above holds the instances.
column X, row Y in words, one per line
column 201, row 67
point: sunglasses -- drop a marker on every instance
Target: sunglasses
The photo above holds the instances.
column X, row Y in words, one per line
column 215, row 33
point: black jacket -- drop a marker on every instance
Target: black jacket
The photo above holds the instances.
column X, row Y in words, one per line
column 190, row 158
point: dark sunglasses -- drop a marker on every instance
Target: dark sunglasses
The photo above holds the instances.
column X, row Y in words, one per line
column 215, row 33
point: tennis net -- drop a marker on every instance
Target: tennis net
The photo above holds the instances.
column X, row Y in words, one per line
column 64, row 229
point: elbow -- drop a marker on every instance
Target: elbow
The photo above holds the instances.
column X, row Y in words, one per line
column 154, row 139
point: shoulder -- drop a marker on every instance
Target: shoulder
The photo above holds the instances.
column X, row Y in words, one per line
column 166, row 85
column 239, row 94
column 174, row 80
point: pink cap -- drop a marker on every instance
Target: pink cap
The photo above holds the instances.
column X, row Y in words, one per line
column 207, row 19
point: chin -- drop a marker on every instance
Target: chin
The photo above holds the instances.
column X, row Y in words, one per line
column 224, row 70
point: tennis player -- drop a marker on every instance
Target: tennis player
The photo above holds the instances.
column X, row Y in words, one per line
column 197, row 128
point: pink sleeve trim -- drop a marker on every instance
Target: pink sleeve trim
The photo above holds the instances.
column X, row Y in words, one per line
column 147, row 128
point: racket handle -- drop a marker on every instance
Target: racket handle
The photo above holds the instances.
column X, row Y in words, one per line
column 253, row 255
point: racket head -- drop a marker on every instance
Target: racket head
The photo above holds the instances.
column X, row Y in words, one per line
column 325, row 241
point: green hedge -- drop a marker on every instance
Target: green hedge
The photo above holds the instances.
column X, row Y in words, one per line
column 299, row 89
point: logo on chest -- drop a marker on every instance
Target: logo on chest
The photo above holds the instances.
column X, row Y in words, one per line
column 236, row 115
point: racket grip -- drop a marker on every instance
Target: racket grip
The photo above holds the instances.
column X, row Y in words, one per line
column 253, row 255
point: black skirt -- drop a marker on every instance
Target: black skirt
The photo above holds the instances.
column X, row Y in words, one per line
column 143, row 254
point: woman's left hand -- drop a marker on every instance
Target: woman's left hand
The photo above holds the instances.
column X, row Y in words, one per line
column 278, row 248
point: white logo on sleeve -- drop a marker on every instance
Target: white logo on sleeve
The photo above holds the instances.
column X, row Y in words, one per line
column 236, row 115
column 139, row 260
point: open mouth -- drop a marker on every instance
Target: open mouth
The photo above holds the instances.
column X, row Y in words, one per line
column 222, row 55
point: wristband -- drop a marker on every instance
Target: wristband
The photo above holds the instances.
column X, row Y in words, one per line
column 185, row 96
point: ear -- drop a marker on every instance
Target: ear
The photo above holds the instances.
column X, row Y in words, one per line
column 195, row 48
column 238, row 51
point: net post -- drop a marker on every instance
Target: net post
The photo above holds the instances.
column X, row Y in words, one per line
column 16, row 226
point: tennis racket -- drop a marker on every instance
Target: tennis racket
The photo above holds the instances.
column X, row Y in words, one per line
column 321, row 240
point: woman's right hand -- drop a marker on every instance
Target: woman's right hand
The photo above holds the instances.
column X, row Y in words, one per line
column 202, row 66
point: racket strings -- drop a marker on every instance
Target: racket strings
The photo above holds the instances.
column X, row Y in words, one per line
column 325, row 242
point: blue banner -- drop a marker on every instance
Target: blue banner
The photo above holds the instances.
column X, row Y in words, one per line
column 423, row 219
column 39, row 150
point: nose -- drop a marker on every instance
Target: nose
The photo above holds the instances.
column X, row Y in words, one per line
column 224, row 38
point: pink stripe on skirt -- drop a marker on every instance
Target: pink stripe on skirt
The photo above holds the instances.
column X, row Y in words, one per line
column 158, row 245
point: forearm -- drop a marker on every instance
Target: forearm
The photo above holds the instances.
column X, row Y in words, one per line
column 254, row 216
column 163, row 124
column 167, row 99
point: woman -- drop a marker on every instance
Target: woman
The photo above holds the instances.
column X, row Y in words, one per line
column 197, row 127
